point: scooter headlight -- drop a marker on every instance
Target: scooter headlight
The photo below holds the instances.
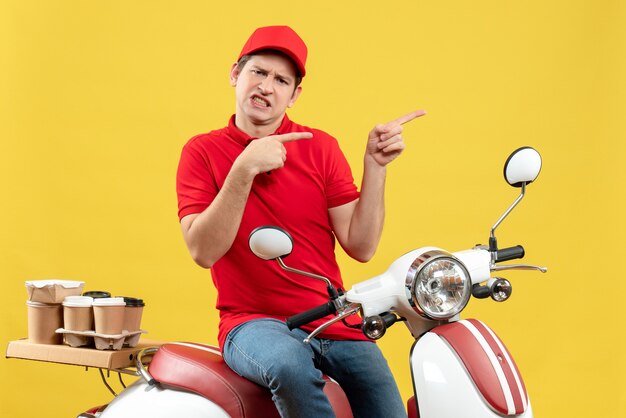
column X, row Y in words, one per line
column 439, row 285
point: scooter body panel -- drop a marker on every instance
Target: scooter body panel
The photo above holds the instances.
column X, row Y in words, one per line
column 143, row 400
column 444, row 388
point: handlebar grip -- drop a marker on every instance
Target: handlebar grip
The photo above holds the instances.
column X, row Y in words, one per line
column 510, row 253
column 311, row 315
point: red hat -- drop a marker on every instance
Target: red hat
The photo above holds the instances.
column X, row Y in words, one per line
column 280, row 38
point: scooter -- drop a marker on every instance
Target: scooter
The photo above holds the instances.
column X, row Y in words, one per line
column 460, row 368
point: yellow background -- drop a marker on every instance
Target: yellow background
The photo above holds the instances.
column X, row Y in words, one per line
column 98, row 97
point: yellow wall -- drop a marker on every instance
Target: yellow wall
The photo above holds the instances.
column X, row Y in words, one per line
column 98, row 97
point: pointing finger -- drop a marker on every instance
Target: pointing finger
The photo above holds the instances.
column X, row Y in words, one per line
column 409, row 117
column 293, row 136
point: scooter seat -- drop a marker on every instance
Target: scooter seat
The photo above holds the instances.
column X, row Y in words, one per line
column 201, row 369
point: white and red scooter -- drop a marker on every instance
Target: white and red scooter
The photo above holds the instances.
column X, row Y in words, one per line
column 460, row 368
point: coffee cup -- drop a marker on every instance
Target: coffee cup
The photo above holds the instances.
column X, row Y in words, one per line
column 109, row 315
column 78, row 313
column 133, row 313
column 43, row 321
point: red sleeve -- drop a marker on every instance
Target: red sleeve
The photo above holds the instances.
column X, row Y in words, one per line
column 340, row 187
column 195, row 182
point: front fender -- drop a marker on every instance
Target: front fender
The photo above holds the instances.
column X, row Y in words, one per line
column 463, row 369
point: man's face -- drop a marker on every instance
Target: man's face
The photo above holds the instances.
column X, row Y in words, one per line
column 265, row 87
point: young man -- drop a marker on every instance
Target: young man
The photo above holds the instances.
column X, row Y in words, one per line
column 264, row 169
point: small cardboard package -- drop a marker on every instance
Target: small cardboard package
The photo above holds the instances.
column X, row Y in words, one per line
column 52, row 291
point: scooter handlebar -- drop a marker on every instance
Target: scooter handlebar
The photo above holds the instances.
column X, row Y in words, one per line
column 510, row 253
column 311, row 315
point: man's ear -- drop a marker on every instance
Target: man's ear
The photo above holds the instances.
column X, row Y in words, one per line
column 234, row 74
column 294, row 96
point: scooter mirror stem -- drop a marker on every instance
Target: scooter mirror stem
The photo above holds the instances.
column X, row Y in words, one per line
column 332, row 292
column 493, row 242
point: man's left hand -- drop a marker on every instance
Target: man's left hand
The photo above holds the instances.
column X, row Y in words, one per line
column 384, row 142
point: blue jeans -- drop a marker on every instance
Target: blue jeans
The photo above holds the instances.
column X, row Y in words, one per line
column 266, row 352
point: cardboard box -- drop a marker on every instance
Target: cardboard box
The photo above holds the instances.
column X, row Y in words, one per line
column 88, row 357
column 52, row 291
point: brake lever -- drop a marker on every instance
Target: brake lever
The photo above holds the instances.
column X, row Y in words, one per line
column 349, row 310
column 518, row 267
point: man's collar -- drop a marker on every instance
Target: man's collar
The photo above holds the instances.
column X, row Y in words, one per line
column 244, row 139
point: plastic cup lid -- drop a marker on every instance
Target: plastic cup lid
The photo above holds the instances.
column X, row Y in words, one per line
column 109, row 302
column 134, row 302
column 97, row 294
column 68, row 284
column 78, row 301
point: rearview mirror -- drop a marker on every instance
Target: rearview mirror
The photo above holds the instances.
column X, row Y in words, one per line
column 522, row 166
column 270, row 242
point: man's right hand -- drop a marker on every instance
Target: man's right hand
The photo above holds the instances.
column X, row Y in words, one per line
column 267, row 154
column 210, row 234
